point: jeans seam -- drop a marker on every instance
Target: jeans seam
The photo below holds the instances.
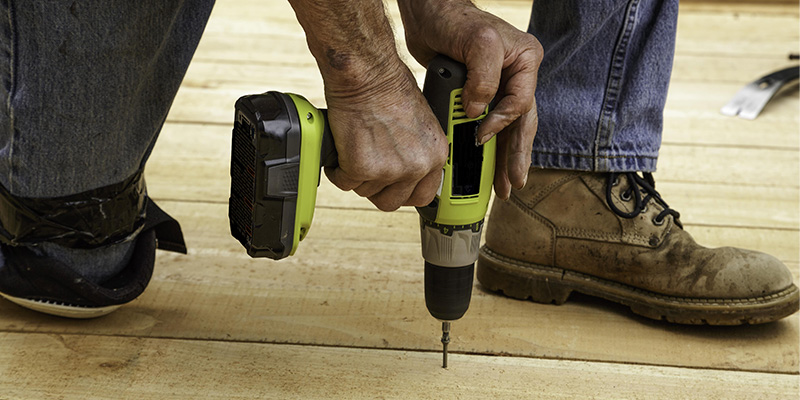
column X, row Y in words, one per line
column 605, row 157
column 605, row 126
column 12, row 44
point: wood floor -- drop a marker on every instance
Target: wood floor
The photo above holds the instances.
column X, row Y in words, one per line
column 345, row 317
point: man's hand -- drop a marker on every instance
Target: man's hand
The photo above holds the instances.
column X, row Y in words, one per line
column 391, row 147
column 502, row 63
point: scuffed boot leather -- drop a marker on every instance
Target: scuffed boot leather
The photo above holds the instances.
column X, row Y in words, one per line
column 612, row 236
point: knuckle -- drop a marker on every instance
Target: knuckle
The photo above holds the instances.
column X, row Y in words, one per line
column 385, row 205
column 532, row 53
column 424, row 199
column 535, row 46
column 416, row 171
column 485, row 35
column 440, row 155
column 484, row 90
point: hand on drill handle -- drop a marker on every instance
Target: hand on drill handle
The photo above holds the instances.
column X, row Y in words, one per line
column 391, row 148
column 501, row 61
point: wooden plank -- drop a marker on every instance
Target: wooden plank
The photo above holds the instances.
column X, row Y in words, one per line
column 691, row 115
column 749, row 35
column 725, row 68
column 357, row 281
column 733, row 206
column 747, row 167
column 191, row 162
column 739, row 30
column 755, row 7
column 79, row 367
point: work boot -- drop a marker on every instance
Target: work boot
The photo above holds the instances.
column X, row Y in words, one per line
column 611, row 235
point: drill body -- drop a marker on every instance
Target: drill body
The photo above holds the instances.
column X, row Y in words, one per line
column 280, row 143
column 451, row 226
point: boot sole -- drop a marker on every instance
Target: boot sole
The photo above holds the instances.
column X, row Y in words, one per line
column 61, row 310
column 551, row 285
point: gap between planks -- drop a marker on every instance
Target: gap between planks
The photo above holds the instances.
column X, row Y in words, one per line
column 357, row 281
column 69, row 366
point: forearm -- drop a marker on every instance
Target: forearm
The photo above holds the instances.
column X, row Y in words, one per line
column 352, row 42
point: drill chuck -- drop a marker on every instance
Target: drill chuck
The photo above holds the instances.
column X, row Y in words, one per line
column 450, row 253
column 448, row 290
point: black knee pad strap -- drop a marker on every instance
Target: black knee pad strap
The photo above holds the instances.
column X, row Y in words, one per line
column 87, row 220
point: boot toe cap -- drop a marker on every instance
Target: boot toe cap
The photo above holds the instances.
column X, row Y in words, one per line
column 747, row 274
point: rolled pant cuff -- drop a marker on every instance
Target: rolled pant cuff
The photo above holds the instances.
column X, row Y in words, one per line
column 580, row 162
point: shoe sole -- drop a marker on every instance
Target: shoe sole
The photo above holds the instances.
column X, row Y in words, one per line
column 61, row 310
column 552, row 285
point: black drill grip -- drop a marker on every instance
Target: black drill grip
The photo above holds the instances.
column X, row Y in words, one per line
column 328, row 157
column 448, row 290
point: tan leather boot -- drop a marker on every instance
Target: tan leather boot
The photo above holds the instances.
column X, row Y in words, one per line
column 612, row 236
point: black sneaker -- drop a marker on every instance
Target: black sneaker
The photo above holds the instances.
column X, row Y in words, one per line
column 46, row 285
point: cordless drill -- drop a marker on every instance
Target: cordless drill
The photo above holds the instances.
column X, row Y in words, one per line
column 280, row 142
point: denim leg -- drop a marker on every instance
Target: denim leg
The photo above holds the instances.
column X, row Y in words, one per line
column 603, row 82
column 86, row 86
column 85, row 89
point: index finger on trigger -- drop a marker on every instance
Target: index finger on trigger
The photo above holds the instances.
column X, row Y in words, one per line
column 484, row 61
column 518, row 100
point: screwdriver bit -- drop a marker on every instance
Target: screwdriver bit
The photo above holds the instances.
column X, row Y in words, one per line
column 445, row 341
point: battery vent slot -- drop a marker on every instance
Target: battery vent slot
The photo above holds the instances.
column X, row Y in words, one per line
column 243, row 177
column 458, row 109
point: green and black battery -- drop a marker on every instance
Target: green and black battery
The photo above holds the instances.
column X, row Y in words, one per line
column 280, row 142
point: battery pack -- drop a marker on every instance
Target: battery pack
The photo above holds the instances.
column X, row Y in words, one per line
column 280, row 142
column 265, row 164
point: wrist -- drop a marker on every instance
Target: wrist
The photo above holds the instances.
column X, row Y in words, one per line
column 352, row 42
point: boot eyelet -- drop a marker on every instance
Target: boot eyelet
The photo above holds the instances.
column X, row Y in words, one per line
column 644, row 210
column 658, row 222
column 624, row 197
column 616, row 181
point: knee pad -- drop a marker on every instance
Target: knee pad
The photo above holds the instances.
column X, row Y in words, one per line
column 90, row 219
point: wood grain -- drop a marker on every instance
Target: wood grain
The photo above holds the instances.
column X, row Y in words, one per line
column 345, row 317
column 357, row 281
column 738, row 187
column 90, row 367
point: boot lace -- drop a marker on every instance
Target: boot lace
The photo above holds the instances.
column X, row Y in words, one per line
column 637, row 186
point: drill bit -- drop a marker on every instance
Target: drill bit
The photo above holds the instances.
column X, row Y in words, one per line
column 445, row 341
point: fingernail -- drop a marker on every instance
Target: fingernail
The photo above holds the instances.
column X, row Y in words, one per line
column 504, row 196
column 524, row 182
column 475, row 109
column 523, row 165
column 485, row 138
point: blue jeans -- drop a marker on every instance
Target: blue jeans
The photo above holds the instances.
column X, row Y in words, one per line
column 85, row 89
column 603, row 82
column 86, row 86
